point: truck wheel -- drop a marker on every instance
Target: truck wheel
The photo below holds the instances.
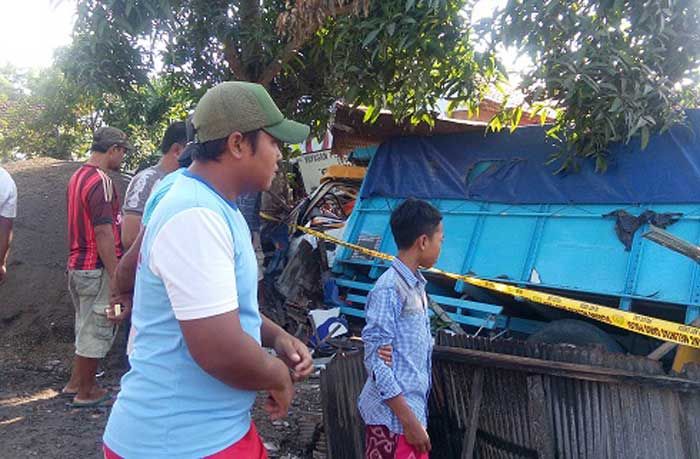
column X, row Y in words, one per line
column 575, row 332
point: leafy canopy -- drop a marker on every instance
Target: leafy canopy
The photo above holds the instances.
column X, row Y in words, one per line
column 609, row 70
column 614, row 70
column 396, row 54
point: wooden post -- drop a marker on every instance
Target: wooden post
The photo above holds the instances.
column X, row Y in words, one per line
column 541, row 428
column 473, row 419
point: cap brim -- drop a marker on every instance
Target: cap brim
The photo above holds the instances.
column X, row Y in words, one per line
column 289, row 131
column 128, row 145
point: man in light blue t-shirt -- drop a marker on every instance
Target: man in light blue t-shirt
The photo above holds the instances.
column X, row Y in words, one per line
column 124, row 277
column 198, row 360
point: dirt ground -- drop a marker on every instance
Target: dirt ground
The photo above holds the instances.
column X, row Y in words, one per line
column 36, row 422
column 36, row 336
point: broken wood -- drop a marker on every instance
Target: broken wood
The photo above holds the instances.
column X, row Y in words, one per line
column 672, row 242
column 454, row 326
column 474, row 410
column 562, row 369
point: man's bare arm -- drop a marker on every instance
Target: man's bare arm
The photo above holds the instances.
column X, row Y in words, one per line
column 6, row 225
column 131, row 225
column 106, row 248
column 224, row 350
column 125, row 276
column 291, row 350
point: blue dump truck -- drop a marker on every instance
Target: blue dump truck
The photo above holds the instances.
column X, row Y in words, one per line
column 509, row 217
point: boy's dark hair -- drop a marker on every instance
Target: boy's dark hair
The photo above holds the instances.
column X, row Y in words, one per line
column 211, row 150
column 185, row 159
column 412, row 219
column 176, row 133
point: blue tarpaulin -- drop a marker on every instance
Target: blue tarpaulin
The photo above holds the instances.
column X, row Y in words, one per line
column 510, row 168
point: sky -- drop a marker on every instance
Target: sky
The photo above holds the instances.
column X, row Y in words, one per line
column 484, row 8
column 30, row 31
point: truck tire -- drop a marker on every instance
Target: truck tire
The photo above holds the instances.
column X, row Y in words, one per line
column 575, row 332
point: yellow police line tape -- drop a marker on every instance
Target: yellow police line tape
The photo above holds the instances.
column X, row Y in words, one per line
column 656, row 328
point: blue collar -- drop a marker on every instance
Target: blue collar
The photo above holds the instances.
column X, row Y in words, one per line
column 188, row 173
column 411, row 278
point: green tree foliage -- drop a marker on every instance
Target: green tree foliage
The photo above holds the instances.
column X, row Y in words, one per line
column 614, row 70
column 42, row 114
column 45, row 113
column 610, row 70
column 144, row 113
column 395, row 54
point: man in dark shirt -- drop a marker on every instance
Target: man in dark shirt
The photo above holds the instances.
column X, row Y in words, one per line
column 94, row 220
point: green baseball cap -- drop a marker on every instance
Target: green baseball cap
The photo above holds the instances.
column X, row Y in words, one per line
column 237, row 106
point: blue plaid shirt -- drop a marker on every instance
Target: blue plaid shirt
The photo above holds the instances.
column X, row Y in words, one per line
column 397, row 314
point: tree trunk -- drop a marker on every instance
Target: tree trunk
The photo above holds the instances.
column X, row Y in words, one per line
column 250, row 51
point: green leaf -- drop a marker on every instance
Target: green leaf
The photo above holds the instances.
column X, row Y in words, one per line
column 554, row 132
column 452, row 106
column 371, row 37
column 409, row 4
column 601, row 164
column 616, row 105
column 516, row 119
column 495, row 124
column 402, row 43
column 369, row 114
column 645, row 137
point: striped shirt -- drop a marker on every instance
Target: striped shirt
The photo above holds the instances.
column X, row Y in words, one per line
column 92, row 200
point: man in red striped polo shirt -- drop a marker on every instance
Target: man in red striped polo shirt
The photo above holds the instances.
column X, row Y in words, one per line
column 94, row 219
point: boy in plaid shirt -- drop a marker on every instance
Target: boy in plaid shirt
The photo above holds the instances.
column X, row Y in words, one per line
column 394, row 401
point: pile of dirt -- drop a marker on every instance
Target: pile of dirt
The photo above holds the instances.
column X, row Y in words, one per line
column 36, row 313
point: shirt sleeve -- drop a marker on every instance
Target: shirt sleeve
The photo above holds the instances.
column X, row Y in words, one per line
column 193, row 255
column 139, row 190
column 381, row 314
column 157, row 192
column 8, row 197
column 100, row 204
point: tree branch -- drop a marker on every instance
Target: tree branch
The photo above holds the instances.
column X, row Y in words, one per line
column 233, row 59
column 296, row 43
column 275, row 67
column 251, row 48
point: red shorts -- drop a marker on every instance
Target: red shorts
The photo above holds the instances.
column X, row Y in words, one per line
column 381, row 443
column 248, row 447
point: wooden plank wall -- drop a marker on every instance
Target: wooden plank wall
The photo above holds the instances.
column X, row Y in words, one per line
column 509, row 399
